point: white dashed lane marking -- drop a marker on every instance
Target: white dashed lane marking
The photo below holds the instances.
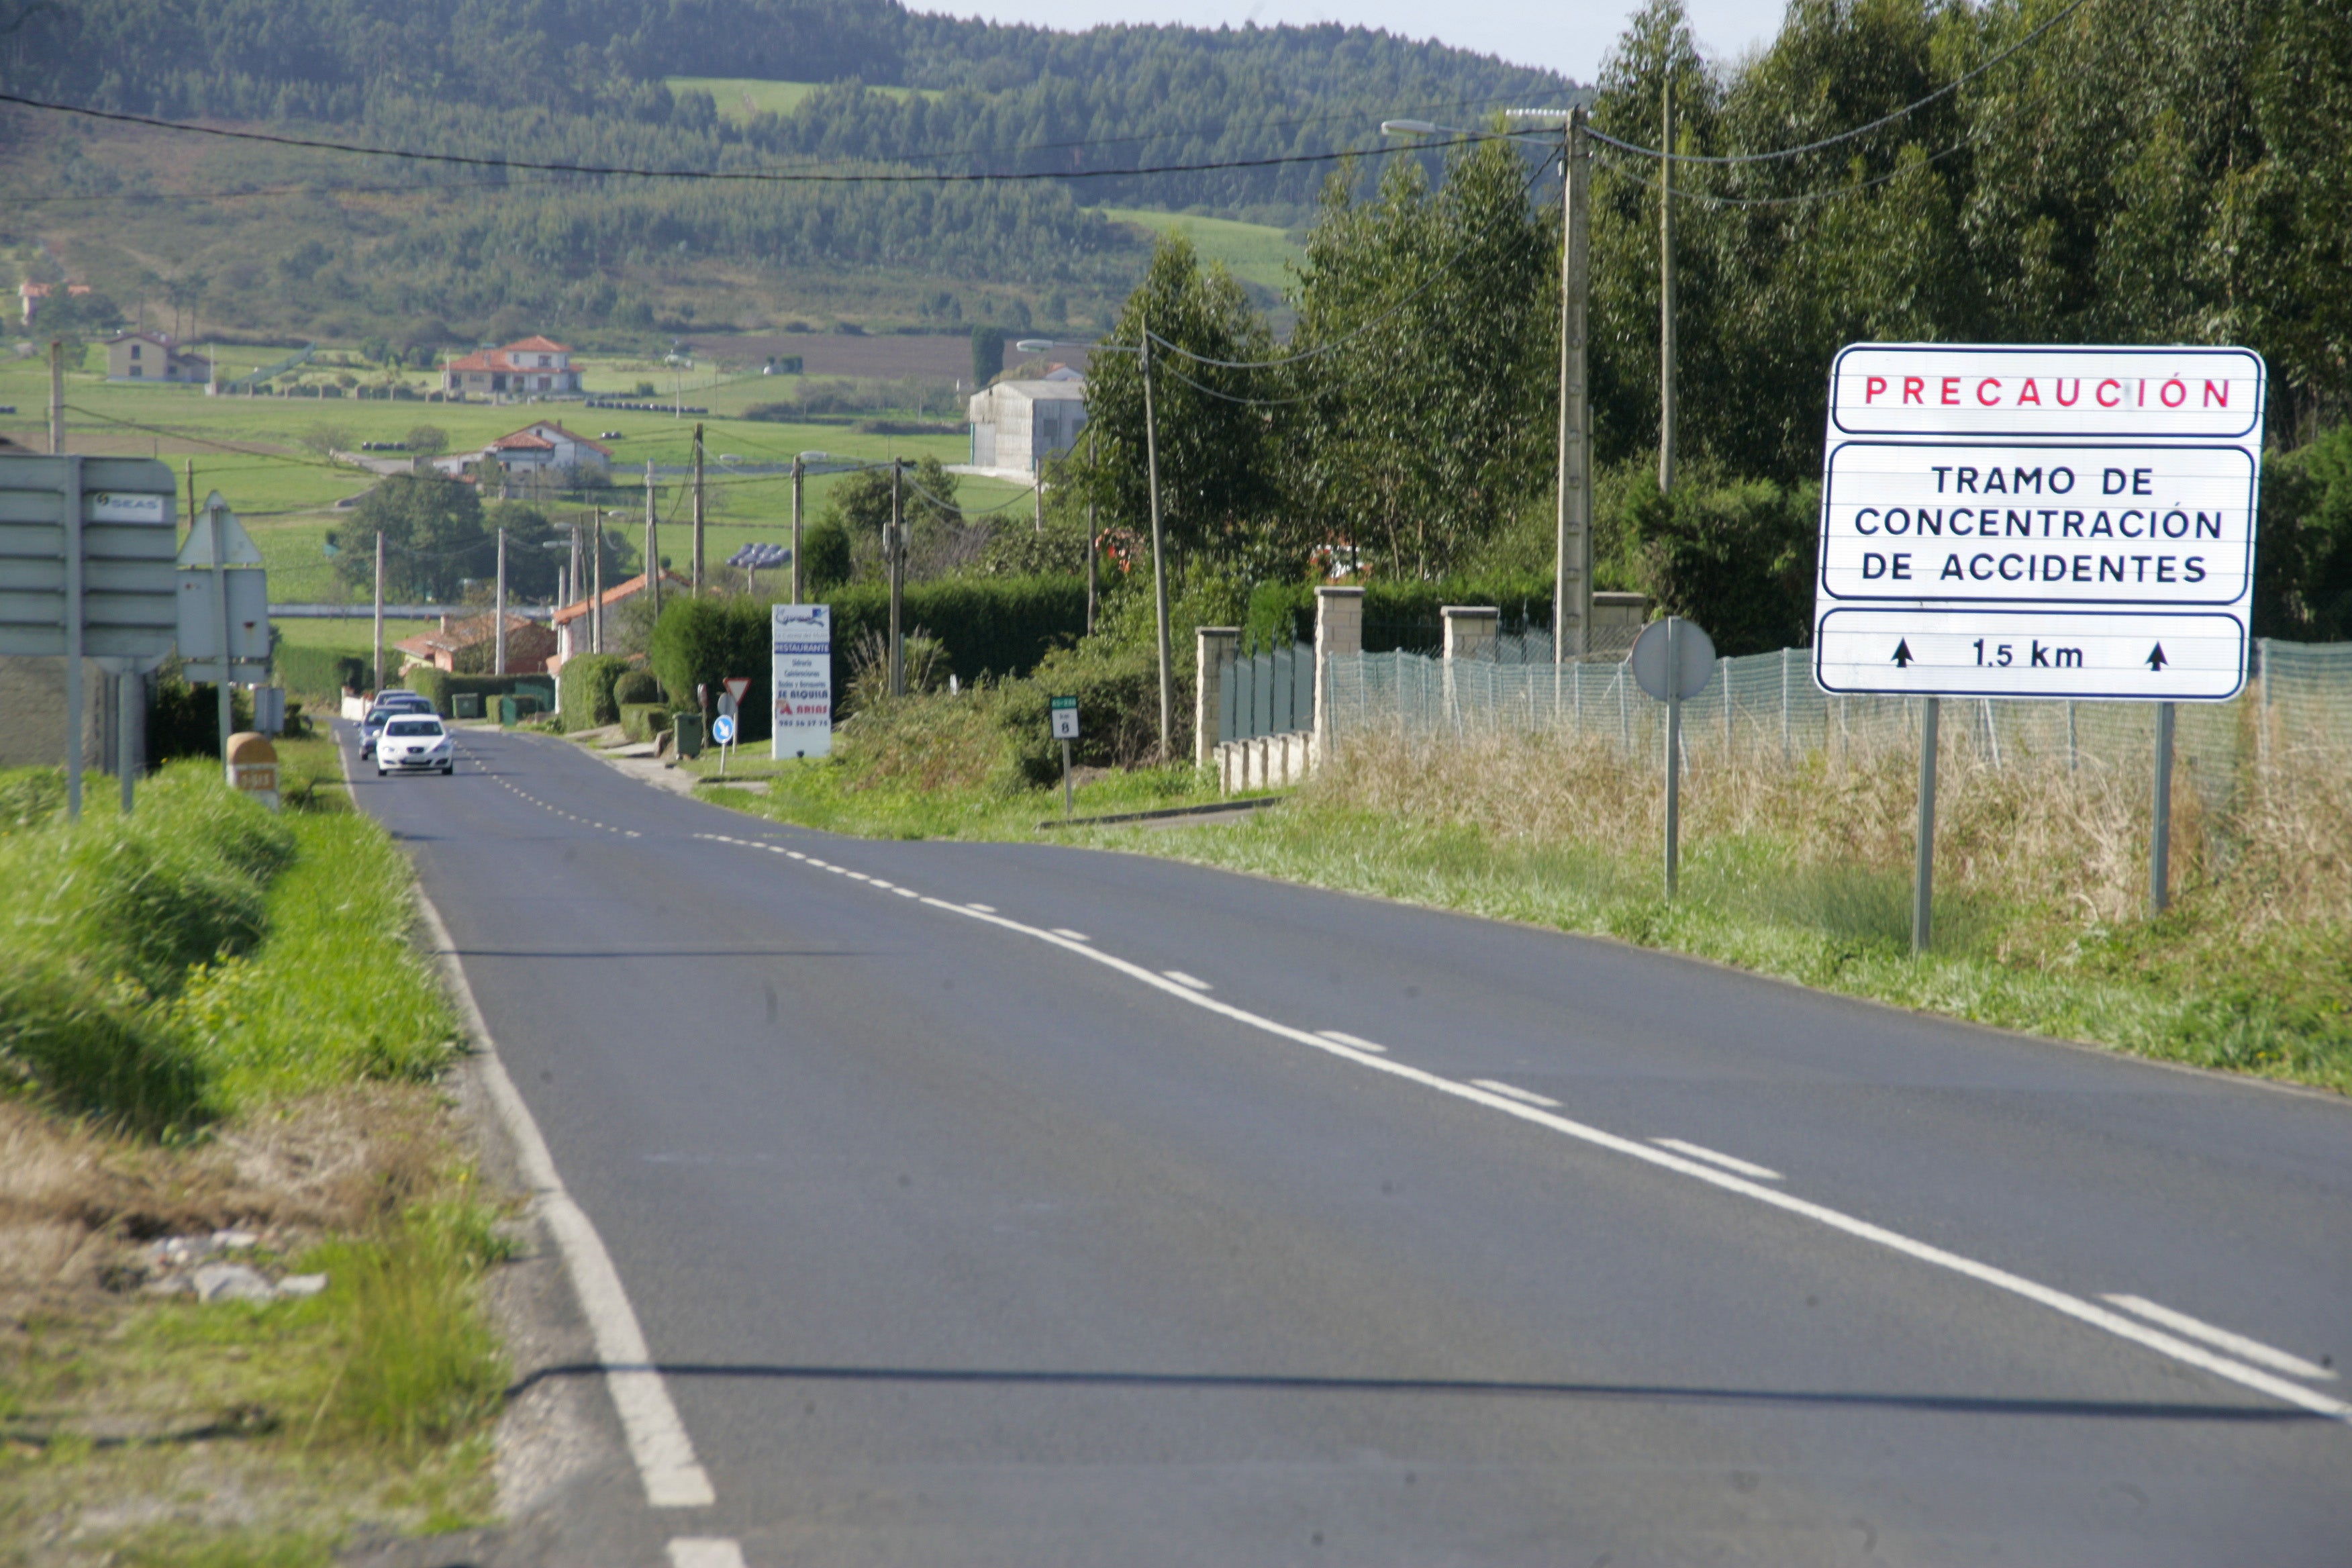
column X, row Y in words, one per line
column 1724, row 1173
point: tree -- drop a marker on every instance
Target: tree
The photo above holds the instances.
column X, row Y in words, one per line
column 433, row 538
column 1429, row 409
column 426, row 441
column 1216, row 477
column 987, row 355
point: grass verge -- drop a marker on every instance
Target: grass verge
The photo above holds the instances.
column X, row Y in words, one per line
column 306, row 1135
column 1803, row 872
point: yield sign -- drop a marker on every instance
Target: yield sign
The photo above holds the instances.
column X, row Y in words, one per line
column 737, row 686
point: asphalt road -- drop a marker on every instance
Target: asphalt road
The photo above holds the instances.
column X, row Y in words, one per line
column 1015, row 1209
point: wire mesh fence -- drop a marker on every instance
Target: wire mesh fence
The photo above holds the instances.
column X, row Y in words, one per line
column 1766, row 707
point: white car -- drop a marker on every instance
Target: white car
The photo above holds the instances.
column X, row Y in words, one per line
column 413, row 743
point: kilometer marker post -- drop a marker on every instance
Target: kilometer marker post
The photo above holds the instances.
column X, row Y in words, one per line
column 1063, row 713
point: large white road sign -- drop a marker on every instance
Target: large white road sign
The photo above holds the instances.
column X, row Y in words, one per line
column 2038, row 522
column 800, row 679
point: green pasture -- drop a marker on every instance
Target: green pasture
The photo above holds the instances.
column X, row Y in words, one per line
column 743, row 98
column 251, row 450
column 1254, row 252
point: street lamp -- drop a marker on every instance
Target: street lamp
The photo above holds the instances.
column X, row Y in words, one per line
column 1572, row 611
column 1151, row 476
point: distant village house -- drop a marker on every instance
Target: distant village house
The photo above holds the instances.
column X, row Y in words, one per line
column 155, row 356
column 29, row 296
column 572, row 621
column 545, row 447
column 536, row 366
column 468, row 644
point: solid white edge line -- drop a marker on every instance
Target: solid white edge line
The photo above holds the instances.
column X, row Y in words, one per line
column 1072, row 935
column 2057, row 1301
column 658, row 1442
column 1728, row 1162
column 2237, row 1344
column 1192, row 981
column 1343, row 1038
column 1515, row 1092
column 704, row 1552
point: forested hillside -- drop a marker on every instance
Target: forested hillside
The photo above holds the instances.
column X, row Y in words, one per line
column 308, row 243
column 2135, row 174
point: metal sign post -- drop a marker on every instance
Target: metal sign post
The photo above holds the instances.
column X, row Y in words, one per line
column 85, row 572
column 1673, row 660
column 2062, row 523
column 1063, row 712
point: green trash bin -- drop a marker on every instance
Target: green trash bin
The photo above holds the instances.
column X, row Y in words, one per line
column 466, row 705
column 688, row 727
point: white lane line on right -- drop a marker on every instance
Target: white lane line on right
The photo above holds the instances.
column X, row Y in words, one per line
column 1190, row 982
column 1072, row 935
column 2236, row 1344
column 2065, row 1303
column 1341, row 1037
column 1728, row 1162
column 1515, row 1092
column 704, row 1552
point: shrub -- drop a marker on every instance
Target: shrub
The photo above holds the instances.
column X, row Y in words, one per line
column 1118, row 711
column 700, row 642
column 185, row 720
column 441, row 689
column 824, row 556
column 322, row 671
column 637, row 685
column 586, row 695
column 988, row 625
column 1396, row 615
column 645, row 720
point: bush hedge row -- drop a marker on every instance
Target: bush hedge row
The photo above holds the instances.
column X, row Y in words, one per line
column 440, row 686
column 586, row 695
column 1396, row 615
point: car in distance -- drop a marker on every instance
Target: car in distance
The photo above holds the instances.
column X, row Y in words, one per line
column 413, row 743
column 387, row 704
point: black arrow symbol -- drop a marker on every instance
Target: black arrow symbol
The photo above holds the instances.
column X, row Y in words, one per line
column 2156, row 659
column 1902, row 654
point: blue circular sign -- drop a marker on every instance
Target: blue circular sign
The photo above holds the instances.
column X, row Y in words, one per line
column 723, row 730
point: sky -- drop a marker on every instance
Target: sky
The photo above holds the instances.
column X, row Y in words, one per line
column 1568, row 36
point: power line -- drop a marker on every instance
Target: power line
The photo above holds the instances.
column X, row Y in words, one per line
column 1813, row 197
column 1945, row 92
column 751, row 176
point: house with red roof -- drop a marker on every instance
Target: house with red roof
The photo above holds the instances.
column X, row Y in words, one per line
column 546, row 446
column 574, row 623
column 536, row 366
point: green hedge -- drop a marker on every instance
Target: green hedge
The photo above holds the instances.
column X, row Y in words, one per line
column 989, row 625
column 322, row 671
column 645, row 720
column 438, row 687
column 586, row 698
column 701, row 642
column 1396, row 615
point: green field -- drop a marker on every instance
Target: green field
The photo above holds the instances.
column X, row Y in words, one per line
column 1254, row 252
column 743, row 98
column 250, row 449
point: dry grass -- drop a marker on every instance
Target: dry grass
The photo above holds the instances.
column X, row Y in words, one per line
column 2037, row 832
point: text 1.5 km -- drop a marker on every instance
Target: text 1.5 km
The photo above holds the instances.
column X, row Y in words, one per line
column 2036, row 655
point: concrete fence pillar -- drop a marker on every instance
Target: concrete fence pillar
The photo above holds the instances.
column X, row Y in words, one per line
column 1339, row 632
column 1214, row 646
column 1469, row 635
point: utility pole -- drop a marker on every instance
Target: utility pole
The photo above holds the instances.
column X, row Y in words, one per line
column 500, row 618
column 1666, row 295
column 697, row 571
column 800, row 472
column 1158, row 551
column 596, row 602
column 1571, row 608
column 1091, row 538
column 653, row 541
column 57, row 400
column 376, row 670
column 894, row 550
column 1039, row 526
